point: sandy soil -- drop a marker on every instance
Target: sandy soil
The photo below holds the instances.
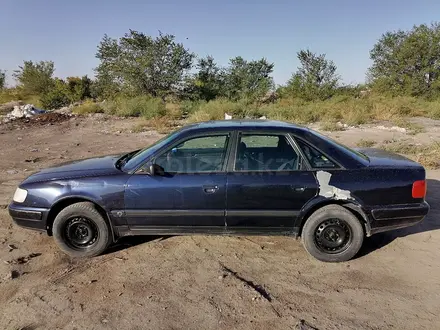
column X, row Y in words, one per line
column 205, row 282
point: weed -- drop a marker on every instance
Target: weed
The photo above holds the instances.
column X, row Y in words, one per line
column 363, row 143
column 412, row 128
column 331, row 126
column 88, row 107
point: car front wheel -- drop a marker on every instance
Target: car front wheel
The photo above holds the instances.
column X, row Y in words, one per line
column 332, row 234
column 81, row 231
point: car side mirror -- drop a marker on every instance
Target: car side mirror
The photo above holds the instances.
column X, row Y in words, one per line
column 154, row 169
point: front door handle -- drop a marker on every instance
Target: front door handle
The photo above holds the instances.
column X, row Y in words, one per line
column 210, row 189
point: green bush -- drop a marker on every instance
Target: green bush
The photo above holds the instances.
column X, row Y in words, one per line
column 79, row 88
column 56, row 97
column 131, row 107
column 88, row 107
column 153, row 108
column 144, row 106
column 189, row 107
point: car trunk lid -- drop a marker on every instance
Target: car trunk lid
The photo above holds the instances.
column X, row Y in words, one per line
column 383, row 158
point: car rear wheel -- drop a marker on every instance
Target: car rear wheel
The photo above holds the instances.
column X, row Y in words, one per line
column 81, row 231
column 332, row 234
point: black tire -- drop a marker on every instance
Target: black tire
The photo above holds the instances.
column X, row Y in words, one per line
column 81, row 231
column 332, row 234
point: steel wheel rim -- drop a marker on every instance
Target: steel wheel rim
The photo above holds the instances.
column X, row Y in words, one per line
column 333, row 236
column 80, row 233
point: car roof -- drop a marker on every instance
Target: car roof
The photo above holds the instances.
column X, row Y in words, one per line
column 243, row 124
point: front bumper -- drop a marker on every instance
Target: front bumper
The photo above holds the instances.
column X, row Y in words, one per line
column 28, row 217
column 397, row 216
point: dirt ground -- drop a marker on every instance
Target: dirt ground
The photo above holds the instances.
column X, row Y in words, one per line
column 205, row 282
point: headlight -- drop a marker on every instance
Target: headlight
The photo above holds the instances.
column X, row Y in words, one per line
column 20, row 195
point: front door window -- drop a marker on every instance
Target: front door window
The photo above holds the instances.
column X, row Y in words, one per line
column 202, row 154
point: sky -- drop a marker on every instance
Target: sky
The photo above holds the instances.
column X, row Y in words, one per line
column 68, row 32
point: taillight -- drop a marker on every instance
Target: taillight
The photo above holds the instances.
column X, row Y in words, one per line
column 419, row 189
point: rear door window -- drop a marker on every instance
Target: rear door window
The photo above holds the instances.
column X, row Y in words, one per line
column 265, row 152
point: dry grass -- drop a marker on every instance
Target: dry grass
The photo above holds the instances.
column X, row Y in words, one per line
column 427, row 155
column 411, row 128
column 144, row 106
column 17, row 94
column 162, row 125
column 345, row 109
column 364, row 143
column 331, row 126
column 88, row 107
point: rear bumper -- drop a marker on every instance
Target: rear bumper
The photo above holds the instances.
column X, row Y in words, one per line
column 397, row 216
column 28, row 217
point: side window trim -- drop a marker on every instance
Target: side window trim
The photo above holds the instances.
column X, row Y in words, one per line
column 295, row 139
column 236, row 139
column 298, row 150
column 228, row 143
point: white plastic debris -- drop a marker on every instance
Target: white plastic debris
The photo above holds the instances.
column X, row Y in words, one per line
column 24, row 111
column 392, row 128
column 227, row 117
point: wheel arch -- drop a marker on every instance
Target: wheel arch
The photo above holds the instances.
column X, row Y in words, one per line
column 353, row 206
column 66, row 201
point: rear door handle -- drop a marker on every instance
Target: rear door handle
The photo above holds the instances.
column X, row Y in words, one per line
column 298, row 189
column 210, row 189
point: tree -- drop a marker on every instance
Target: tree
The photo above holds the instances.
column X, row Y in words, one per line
column 139, row 64
column 208, row 83
column 316, row 77
column 35, row 78
column 407, row 62
column 2, row 79
column 79, row 88
column 248, row 79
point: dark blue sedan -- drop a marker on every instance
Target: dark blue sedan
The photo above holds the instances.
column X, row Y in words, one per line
column 227, row 177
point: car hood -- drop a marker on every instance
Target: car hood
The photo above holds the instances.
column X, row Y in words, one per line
column 77, row 169
column 383, row 158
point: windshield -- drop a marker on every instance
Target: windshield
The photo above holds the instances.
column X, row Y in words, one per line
column 136, row 159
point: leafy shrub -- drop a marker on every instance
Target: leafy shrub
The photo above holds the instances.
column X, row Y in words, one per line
column 153, row 108
column 188, row 107
column 79, row 88
column 56, row 97
column 131, row 107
